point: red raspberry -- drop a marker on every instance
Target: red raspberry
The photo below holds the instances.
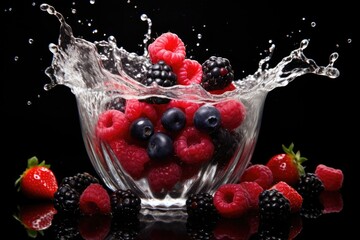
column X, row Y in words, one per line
column 332, row 178
column 135, row 109
column 231, row 200
column 296, row 226
column 131, row 157
column 192, row 146
column 331, row 201
column 164, row 176
column 112, row 124
column 258, row 173
column 168, row 47
column 232, row 113
column 290, row 194
column 189, row 108
column 94, row 227
column 190, row 72
column 229, row 87
column 95, row 200
column 230, row 229
column 254, row 190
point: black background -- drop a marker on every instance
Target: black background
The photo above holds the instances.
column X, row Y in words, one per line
column 317, row 114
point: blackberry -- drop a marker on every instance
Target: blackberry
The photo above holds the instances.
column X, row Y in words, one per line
column 309, row 186
column 273, row 230
column 161, row 74
column 200, row 229
column 124, row 229
column 311, row 208
column 64, row 227
column 125, row 203
column 117, row 103
column 200, row 205
column 66, row 199
column 273, row 205
column 80, row 181
column 225, row 143
column 217, row 73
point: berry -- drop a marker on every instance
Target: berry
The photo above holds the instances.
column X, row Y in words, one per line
column 161, row 74
column 111, row 125
column 231, row 200
column 64, row 226
column 225, row 143
column 331, row 201
column 309, row 186
column 207, row 118
column 230, row 229
column 253, row 189
column 232, row 113
column 311, row 208
column 201, row 228
column 66, row 199
column 189, row 73
column 125, row 203
column 142, row 129
column 192, row 146
column 94, row 227
column 117, row 103
column 135, row 109
column 332, row 178
column 160, row 146
column 287, row 166
column 189, row 108
column 36, row 217
column 164, row 176
column 95, row 200
column 79, row 181
column 169, row 48
column 274, row 230
column 201, row 206
column 37, row 181
column 173, row 119
column 273, row 206
column 295, row 199
column 217, row 73
column 258, row 173
column 131, row 157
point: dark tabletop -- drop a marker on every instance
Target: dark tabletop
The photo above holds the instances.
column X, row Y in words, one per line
column 317, row 114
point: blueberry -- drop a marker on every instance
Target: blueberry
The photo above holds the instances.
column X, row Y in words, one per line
column 159, row 146
column 142, row 128
column 207, row 118
column 173, row 119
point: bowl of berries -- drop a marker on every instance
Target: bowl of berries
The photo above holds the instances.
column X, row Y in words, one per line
column 162, row 124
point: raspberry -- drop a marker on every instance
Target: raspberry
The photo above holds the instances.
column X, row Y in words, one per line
column 229, row 109
column 94, row 227
column 295, row 199
column 192, row 146
column 230, row 87
column 112, row 124
column 135, row 109
column 131, row 157
column 258, row 173
column 331, row 201
column 332, row 178
column 254, row 190
column 230, row 229
column 95, row 200
column 231, row 200
column 189, row 108
column 164, row 176
column 169, row 48
column 190, row 72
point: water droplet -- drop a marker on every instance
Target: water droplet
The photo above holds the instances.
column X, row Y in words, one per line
column 349, row 40
column 53, row 48
column 304, row 43
column 31, row 41
column 16, row 58
column 92, row 1
column 29, row 103
column 197, row 44
column 270, row 41
column 128, row 1
column 94, row 31
column 204, row 26
column 33, row 4
column 73, row 10
column 199, row 36
column 303, row 19
column 143, row 17
column 313, row 24
column 89, row 24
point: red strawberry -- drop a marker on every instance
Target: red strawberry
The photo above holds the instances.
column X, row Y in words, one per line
column 36, row 217
column 37, row 181
column 287, row 166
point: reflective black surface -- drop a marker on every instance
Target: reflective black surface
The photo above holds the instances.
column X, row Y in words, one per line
column 316, row 113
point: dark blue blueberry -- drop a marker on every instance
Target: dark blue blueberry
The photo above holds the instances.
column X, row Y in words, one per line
column 207, row 118
column 159, row 146
column 142, row 128
column 173, row 119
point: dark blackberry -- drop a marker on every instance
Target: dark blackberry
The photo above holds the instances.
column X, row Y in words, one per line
column 117, row 103
column 225, row 143
column 217, row 73
column 273, row 205
column 124, row 229
column 161, row 74
column 200, row 228
column 80, row 181
column 66, row 199
column 273, row 230
column 200, row 205
column 311, row 208
column 64, row 227
column 125, row 203
column 309, row 186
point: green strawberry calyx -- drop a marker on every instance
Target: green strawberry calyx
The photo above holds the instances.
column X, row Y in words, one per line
column 296, row 157
column 32, row 162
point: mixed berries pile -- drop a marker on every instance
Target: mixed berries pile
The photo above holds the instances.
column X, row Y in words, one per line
column 159, row 138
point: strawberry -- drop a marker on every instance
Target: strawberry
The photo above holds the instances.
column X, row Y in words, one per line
column 287, row 166
column 36, row 217
column 37, row 181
